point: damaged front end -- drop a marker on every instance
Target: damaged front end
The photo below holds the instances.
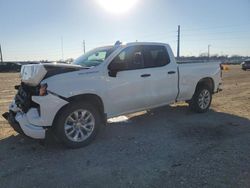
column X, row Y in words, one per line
column 33, row 109
column 22, row 110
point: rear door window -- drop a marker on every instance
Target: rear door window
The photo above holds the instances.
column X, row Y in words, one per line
column 155, row 56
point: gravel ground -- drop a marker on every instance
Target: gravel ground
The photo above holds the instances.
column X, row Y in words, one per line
column 165, row 147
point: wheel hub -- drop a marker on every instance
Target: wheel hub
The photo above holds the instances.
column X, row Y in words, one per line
column 79, row 125
column 204, row 99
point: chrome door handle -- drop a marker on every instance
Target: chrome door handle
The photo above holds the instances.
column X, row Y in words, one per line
column 171, row 72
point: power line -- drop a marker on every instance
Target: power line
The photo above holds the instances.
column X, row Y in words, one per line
column 157, row 36
column 62, row 48
column 208, row 51
column 1, row 55
column 178, row 41
column 214, row 27
column 185, row 37
column 84, row 46
column 221, row 38
column 218, row 33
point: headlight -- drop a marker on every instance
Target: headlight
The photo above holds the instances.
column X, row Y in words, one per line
column 43, row 89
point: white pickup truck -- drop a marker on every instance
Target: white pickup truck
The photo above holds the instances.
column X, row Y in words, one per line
column 76, row 100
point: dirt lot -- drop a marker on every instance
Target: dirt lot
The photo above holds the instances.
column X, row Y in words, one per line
column 166, row 147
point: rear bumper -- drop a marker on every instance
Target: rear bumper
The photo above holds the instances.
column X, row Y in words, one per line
column 220, row 88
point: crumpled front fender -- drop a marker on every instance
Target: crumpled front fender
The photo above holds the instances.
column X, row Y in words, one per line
column 49, row 106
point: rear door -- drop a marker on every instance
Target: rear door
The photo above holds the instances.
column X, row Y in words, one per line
column 163, row 80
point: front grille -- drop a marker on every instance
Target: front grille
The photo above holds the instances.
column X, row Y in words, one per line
column 23, row 97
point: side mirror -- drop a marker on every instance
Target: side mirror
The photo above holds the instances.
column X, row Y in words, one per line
column 115, row 67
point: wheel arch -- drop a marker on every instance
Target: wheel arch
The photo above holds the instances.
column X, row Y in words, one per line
column 207, row 81
column 91, row 98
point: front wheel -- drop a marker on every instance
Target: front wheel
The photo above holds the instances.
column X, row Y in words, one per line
column 201, row 100
column 77, row 124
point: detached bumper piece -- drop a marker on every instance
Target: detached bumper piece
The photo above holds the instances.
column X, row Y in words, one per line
column 20, row 124
column 10, row 117
column 29, row 129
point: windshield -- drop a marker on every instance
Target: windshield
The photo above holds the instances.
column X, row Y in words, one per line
column 94, row 57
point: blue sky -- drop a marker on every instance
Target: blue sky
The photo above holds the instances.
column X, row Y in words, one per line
column 32, row 29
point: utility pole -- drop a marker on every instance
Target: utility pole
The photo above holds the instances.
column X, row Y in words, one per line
column 1, row 55
column 178, row 41
column 62, row 48
column 208, row 51
column 83, row 46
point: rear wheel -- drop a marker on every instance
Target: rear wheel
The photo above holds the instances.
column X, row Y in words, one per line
column 201, row 100
column 77, row 124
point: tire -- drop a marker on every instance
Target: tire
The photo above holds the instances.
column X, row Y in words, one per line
column 201, row 99
column 77, row 124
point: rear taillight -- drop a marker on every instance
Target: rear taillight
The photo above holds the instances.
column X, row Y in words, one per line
column 43, row 89
column 221, row 67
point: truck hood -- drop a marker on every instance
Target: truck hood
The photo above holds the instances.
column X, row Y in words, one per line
column 33, row 74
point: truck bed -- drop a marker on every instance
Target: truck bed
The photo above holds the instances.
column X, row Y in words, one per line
column 191, row 72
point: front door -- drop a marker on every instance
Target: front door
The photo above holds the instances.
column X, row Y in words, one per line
column 128, row 90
